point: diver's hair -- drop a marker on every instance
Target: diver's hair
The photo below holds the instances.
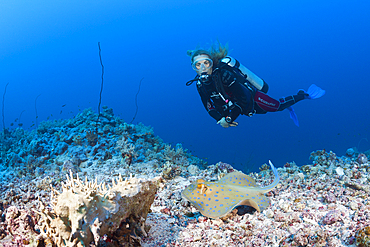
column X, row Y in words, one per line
column 216, row 52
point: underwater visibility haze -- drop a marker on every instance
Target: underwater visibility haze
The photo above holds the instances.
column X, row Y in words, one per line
column 50, row 64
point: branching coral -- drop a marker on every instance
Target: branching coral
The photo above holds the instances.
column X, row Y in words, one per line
column 86, row 211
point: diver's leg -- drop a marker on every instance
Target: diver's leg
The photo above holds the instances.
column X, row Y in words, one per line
column 291, row 100
column 265, row 103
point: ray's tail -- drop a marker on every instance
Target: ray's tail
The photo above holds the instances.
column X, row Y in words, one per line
column 275, row 182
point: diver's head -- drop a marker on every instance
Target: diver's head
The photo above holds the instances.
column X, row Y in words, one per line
column 213, row 55
column 202, row 64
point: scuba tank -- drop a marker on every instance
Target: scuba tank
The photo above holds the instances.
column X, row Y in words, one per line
column 249, row 75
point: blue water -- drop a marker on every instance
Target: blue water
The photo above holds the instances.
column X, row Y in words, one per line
column 49, row 51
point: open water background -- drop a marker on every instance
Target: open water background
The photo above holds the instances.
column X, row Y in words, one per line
column 49, row 52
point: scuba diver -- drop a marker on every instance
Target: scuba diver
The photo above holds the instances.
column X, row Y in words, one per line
column 228, row 89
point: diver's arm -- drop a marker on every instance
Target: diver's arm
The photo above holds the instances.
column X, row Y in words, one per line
column 209, row 106
column 215, row 114
column 235, row 111
column 241, row 100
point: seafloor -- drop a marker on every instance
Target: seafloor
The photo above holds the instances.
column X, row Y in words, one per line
column 324, row 203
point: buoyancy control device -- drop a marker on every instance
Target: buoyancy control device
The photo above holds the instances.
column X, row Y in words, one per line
column 249, row 75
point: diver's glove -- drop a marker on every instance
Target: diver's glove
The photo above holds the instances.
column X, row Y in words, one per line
column 225, row 124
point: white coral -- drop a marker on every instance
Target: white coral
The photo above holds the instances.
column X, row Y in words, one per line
column 85, row 211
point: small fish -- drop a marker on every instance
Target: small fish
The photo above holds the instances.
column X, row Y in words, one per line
column 216, row 199
column 64, row 105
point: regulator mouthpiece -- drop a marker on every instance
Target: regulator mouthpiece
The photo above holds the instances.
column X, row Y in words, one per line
column 204, row 77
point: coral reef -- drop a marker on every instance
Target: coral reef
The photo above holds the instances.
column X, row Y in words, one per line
column 33, row 161
column 362, row 159
column 363, row 237
column 20, row 226
column 28, row 154
column 85, row 211
column 312, row 206
column 323, row 203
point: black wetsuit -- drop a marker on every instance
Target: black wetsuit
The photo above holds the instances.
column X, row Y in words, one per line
column 227, row 93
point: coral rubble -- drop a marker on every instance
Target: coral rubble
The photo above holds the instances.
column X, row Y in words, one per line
column 312, row 206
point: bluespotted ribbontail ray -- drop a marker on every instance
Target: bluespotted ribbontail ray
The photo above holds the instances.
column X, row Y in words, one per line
column 216, row 199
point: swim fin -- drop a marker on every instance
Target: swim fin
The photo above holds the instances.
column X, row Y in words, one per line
column 293, row 115
column 315, row 92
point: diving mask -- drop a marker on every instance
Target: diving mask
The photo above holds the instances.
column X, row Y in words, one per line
column 202, row 64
